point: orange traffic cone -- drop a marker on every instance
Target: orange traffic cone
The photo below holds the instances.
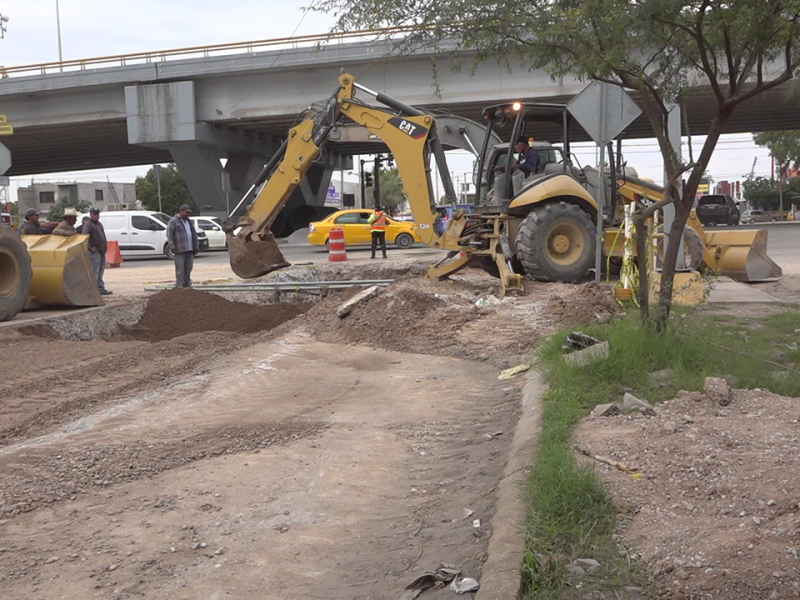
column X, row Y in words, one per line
column 336, row 247
column 113, row 256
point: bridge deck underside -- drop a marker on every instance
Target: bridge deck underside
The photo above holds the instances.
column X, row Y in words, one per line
column 104, row 143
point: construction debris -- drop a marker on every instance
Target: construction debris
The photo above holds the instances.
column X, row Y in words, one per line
column 363, row 296
column 590, row 355
column 608, row 461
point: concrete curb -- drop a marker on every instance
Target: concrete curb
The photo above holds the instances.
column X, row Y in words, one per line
column 501, row 577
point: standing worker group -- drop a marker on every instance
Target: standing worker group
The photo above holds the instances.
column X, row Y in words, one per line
column 97, row 247
column 378, row 222
column 183, row 242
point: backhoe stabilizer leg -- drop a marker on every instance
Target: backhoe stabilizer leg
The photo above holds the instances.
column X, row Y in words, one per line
column 445, row 268
column 508, row 279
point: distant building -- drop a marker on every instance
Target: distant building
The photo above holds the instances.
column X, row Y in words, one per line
column 102, row 194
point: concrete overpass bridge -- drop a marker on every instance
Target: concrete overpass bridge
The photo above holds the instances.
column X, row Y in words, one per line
column 236, row 101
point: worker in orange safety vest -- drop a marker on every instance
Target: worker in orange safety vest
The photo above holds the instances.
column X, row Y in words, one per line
column 378, row 222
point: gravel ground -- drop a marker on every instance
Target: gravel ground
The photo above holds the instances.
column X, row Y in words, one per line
column 714, row 509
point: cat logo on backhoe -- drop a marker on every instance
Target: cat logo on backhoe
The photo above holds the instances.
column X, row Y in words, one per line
column 412, row 129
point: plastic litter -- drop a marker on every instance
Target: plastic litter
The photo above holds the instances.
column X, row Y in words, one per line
column 513, row 371
column 464, row 586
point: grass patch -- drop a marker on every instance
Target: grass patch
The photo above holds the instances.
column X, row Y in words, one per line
column 570, row 515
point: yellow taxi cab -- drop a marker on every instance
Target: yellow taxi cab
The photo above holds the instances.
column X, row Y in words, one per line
column 357, row 230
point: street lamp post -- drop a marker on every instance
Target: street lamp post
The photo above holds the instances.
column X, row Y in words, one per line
column 58, row 25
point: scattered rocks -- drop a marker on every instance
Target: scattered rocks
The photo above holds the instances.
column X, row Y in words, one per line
column 631, row 402
column 575, row 570
column 606, row 410
column 718, row 390
column 51, row 560
column 592, row 354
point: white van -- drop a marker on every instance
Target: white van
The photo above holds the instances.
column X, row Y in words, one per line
column 140, row 232
column 213, row 228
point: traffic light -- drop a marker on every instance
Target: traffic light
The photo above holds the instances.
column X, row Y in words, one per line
column 368, row 179
column 390, row 161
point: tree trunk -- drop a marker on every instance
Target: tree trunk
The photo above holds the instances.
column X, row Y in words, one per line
column 641, row 264
column 672, row 248
column 682, row 209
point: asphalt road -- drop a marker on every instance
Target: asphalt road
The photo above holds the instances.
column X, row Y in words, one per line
column 784, row 247
column 294, row 253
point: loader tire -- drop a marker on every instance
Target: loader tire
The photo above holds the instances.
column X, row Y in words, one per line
column 556, row 243
column 15, row 273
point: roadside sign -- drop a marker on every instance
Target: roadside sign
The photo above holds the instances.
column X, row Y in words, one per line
column 603, row 110
column 6, row 129
column 5, row 159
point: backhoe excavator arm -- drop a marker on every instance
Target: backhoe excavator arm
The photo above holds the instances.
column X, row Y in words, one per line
column 412, row 138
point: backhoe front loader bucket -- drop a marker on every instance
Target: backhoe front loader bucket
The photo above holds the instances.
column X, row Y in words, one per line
column 62, row 272
column 254, row 258
column 741, row 255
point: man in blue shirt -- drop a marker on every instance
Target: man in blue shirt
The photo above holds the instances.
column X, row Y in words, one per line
column 529, row 159
column 183, row 242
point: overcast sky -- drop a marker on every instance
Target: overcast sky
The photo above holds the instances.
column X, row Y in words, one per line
column 96, row 28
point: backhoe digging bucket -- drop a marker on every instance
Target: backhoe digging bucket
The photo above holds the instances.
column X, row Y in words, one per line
column 62, row 272
column 741, row 255
column 253, row 258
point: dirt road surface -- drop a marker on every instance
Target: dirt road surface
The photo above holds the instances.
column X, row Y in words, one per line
column 305, row 461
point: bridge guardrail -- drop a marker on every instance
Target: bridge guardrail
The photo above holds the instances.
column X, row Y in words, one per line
column 81, row 64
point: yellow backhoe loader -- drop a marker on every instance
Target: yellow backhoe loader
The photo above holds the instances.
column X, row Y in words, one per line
column 44, row 270
column 543, row 226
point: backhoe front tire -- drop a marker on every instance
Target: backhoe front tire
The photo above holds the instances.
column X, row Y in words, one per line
column 556, row 243
column 15, row 273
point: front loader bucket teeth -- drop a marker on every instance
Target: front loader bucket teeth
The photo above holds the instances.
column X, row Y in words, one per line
column 741, row 255
column 251, row 258
column 62, row 272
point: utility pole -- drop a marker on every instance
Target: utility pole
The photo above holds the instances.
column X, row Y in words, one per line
column 157, row 173
column 376, row 173
column 361, row 183
column 3, row 29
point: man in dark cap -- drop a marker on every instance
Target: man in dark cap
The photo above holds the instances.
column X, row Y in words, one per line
column 183, row 242
column 528, row 160
column 30, row 226
column 97, row 247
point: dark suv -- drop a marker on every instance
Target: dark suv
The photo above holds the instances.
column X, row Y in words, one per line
column 716, row 209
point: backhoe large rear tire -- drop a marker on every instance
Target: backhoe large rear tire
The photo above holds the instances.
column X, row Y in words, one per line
column 15, row 273
column 556, row 243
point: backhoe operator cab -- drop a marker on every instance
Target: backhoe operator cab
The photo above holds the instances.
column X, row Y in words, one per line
column 551, row 213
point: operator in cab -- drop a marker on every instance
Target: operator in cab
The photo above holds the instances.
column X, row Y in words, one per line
column 528, row 159
column 378, row 222
column 527, row 163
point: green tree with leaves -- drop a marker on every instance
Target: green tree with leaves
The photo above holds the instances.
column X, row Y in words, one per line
column 738, row 49
column 392, row 195
column 57, row 211
column 761, row 193
column 784, row 146
column 174, row 192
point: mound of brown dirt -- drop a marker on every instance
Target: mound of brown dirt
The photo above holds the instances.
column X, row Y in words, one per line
column 180, row 311
column 461, row 318
column 715, row 513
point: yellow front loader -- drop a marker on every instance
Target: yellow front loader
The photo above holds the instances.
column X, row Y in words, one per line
column 44, row 270
column 740, row 254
